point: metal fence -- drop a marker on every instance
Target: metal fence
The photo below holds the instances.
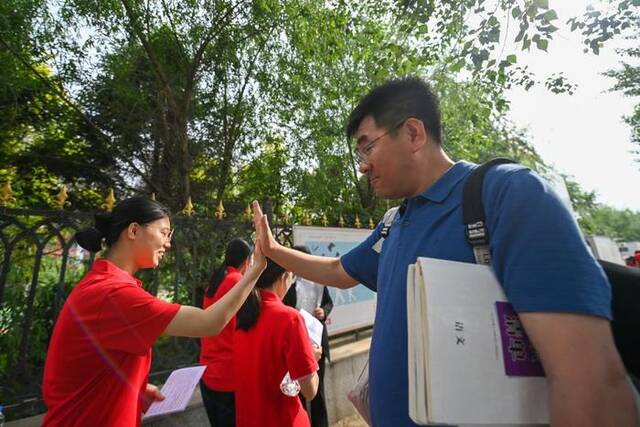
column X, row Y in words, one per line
column 41, row 263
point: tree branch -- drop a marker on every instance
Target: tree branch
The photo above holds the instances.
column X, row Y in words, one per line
column 155, row 63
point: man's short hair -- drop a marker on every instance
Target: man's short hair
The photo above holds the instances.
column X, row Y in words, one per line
column 397, row 100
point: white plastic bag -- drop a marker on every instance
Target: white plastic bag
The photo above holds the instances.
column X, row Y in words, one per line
column 289, row 387
column 359, row 394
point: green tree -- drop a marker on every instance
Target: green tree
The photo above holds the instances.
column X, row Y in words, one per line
column 42, row 140
column 618, row 19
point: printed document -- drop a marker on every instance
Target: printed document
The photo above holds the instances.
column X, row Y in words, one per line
column 177, row 391
column 314, row 327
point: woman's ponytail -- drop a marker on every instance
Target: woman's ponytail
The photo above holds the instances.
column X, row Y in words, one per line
column 248, row 314
column 91, row 238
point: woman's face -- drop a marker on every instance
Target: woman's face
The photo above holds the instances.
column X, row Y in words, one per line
column 151, row 242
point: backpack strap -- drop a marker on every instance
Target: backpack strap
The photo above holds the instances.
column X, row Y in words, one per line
column 387, row 220
column 473, row 211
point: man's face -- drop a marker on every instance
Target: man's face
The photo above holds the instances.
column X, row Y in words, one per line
column 385, row 158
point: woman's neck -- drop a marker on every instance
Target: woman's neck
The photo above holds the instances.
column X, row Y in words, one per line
column 122, row 260
column 273, row 290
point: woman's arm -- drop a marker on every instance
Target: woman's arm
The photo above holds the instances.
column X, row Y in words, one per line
column 309, row 386
column 195, row 322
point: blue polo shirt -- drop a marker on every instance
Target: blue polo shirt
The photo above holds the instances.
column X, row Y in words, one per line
column 537, row 252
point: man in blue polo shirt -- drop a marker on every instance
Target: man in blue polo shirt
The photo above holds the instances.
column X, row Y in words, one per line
column 537, row 252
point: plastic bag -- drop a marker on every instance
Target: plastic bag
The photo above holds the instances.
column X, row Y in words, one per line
column 289, row 387
column 359, row 394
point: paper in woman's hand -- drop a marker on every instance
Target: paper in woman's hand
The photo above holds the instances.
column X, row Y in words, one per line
column 314, row 327
column 177, row 391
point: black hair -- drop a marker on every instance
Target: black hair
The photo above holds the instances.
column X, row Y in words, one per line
column 397, row 100
column 108, row 226
column 248, row 314
column 302, row 248
column 237, row 252
column 291, row 298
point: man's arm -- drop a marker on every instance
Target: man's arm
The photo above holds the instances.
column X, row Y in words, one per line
column 318, row 269
column 587, row 380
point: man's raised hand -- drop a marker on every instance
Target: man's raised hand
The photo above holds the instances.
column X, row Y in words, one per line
column 263, row 233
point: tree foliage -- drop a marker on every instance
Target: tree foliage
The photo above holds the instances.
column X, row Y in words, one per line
column 232, row 100
column 620, row 19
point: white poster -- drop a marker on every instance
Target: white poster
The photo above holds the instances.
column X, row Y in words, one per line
column 352, row 308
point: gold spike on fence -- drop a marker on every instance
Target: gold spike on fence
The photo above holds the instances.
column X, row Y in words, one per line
column 61, row 199
column 285, row 217
column 109, row 201
column 220, row 213
column 324, row 221
column 306, row 219
column 6, row 194
column 188, row 208
column 248, row 213
column 358, row 224
column 341, row 222
column 371, row 224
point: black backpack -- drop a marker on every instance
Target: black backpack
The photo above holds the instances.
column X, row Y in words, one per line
column 625, row 281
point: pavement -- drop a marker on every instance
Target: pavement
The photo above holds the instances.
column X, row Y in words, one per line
column 352, row 421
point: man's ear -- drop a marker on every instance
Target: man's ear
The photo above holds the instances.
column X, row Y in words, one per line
column 418, row 136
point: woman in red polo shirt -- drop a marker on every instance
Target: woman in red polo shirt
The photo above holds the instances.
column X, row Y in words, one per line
column 271, row 340
column 216, row 353
column 100, row 351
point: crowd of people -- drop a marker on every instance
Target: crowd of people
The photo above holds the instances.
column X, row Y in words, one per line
column 633, row 260
column 99, row 355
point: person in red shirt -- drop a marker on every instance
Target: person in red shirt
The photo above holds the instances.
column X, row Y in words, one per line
column 271, row 340
column 100, row 351
column 216, row 353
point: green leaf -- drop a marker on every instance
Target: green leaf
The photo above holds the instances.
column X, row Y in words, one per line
column 544, row 4
column 542, row 44
column 515, row 12
column 550, row 15
column 457, row 66
column 511, row 59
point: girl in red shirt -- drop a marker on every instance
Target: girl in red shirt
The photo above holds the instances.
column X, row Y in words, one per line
column 100, row 351
column 216, row 353
column 271, row 340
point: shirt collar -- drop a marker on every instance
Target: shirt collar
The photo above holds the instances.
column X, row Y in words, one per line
column 441, row 189
column 270, row 296
column 104, row 266
column 232, row 269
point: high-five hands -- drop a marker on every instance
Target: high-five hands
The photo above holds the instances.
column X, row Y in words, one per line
column 264, row 237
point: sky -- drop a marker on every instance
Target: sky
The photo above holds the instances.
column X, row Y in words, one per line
column 581, row 135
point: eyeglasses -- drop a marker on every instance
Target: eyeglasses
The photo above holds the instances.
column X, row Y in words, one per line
column 362, row 154
column 166, row 233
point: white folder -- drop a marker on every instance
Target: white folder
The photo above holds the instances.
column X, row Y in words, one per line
column 469, row 361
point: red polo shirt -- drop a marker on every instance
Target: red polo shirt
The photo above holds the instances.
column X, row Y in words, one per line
column 216, row 353
column 100, row 351
column 277, row 343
